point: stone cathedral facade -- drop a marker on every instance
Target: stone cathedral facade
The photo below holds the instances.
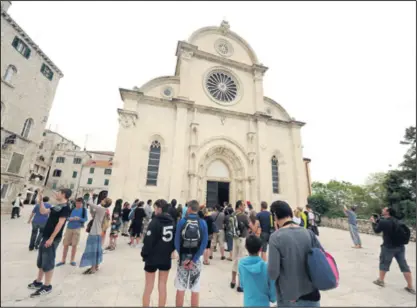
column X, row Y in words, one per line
column 208, row 132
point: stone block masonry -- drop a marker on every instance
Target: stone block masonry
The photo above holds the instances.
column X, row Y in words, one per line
column 364, row 226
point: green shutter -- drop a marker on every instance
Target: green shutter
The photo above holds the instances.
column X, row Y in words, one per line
column 15, row 42
column 27, row 53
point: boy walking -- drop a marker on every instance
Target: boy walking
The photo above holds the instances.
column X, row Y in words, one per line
column 259, row 290
column 51, row 238
column 72, row 234
column 191, row 238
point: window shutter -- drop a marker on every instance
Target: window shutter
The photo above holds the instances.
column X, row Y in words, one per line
column 27, row 53
column 15, row 42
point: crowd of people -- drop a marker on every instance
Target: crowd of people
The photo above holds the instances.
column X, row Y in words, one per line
column 268, row 249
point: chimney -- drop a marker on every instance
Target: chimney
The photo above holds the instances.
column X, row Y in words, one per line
column 5, row 5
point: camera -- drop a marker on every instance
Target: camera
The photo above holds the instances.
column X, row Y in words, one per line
column 377, row 217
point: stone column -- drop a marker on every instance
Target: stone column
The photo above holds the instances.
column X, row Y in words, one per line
column 178, row 161
column 186, row 57
column 263, row 167
column 121, row 161
column 300, row 180
column 259, row 91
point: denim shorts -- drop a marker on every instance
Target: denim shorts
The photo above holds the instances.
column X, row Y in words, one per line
column 386, row 256
column 265, row 240
column 46, row 256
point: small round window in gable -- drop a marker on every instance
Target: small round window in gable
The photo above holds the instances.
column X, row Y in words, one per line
column 223, row 48
column 168, row 92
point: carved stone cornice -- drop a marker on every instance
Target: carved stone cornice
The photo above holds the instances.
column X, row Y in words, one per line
column 130, row 94
column 139, row 96
column 184, row 46
column 127, row 118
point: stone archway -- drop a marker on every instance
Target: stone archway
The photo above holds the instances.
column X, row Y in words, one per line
column 235, row 175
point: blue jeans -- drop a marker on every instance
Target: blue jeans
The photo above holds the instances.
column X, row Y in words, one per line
column 229, row 241
column 299, row 303
column 36, row 236
column 354, row 233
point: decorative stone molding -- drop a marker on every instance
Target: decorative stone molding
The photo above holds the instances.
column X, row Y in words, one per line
column 218, row 59
column 127, row 118
column 252, row 156
column 258, row 76
column 224, row 27
column 186, row 55
column 224, row 138
column 251, row 137
column 222, row 119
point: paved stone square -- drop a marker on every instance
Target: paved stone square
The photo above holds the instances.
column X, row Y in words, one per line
column 120, row 281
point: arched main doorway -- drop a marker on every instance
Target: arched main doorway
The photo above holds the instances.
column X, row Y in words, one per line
column 220, row 176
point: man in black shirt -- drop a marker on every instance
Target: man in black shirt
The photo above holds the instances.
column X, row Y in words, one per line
column 389, row 248
column 51, row 237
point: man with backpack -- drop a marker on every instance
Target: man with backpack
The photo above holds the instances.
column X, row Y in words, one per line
column 238, row 228
column 191, row 238
column 72, row 234
column 218, row 235
column 395, row 236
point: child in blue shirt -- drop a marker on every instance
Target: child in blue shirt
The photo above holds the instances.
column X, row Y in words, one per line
column 258, row 289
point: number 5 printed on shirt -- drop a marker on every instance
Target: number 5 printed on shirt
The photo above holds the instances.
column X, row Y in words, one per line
column 167, row 233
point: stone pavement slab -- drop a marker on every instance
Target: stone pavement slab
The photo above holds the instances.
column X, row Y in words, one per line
column 120, row 281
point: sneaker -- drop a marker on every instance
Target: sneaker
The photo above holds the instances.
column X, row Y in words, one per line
column 35, row 285
column 239, row 289
column 42, row 291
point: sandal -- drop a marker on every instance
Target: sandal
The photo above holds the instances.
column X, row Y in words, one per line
column 379, row 283
column 229, row 259
column 206, row 263
column 87, row 271
column 410, row 290
column 60, row 264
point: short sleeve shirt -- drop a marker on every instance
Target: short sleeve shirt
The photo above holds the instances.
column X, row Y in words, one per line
column 58, row 211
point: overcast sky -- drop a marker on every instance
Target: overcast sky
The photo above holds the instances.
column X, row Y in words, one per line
column 347, row 69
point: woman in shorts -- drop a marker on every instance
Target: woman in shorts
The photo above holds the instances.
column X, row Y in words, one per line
column 158, row 246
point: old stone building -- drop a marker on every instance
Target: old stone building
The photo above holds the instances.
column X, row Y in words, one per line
column 29, row 80
column 208, row 132
column 81, row 171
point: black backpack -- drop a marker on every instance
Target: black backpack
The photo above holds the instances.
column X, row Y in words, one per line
column 190, row 234
column 401, row 234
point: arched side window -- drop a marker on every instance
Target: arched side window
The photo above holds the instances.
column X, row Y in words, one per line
column 27, row 127
column 10, row 72
column 153, row 163
column 275, row 175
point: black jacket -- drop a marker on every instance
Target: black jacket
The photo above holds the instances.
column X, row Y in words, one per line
column 159, row 240
column 173, row 212
column 386, row 226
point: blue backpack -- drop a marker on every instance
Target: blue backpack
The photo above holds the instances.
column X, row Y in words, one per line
column 322, row 267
